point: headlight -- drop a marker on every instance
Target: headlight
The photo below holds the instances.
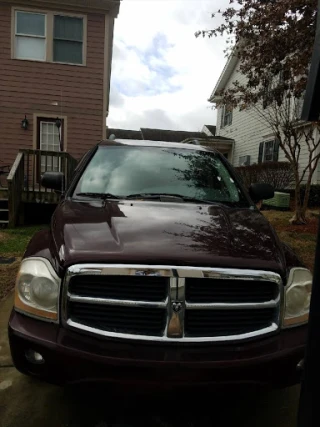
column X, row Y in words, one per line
column 37, row 289
column 297, row 297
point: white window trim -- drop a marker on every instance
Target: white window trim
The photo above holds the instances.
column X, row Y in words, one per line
column 49, row 25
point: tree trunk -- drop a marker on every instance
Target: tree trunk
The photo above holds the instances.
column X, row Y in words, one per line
column 299, row 216
column 306, row 196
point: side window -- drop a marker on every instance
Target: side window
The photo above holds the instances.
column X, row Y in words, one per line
column 226, row 116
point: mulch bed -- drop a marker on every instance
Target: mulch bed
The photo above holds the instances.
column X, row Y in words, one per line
column 311, row 227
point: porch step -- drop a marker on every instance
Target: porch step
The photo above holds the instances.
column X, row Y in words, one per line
column 4, row 212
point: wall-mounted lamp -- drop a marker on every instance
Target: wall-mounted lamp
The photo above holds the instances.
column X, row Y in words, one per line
column 58, row 123
column 25, row 123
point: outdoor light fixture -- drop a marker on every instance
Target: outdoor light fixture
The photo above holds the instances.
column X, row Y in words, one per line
column 58, row 123
column 25, row 123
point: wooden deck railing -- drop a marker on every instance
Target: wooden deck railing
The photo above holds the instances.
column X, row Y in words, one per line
column 15, row 188
column 38, row 161
column 25, row 177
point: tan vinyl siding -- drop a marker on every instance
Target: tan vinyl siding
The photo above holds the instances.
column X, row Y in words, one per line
column 28, row 87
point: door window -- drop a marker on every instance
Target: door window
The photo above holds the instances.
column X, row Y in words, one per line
column 50, row 140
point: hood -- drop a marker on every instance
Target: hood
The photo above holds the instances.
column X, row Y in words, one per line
column 143, row 232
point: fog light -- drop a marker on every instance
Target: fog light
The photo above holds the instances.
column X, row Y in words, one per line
column 34, row 357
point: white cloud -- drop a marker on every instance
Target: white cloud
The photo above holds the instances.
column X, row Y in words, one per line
column 162, row 75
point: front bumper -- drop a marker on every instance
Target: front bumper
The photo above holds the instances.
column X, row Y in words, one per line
column 72, row 357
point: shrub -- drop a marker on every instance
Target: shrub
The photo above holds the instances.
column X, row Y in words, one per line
column 278, row 174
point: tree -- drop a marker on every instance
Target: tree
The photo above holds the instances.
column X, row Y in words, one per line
column 273, row 40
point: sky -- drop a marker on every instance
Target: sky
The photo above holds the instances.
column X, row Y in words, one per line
column 162, row 75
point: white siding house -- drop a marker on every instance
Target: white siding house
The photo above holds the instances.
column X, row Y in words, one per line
column 254, row 139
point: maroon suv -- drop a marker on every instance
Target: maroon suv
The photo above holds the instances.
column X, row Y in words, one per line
column 158, row 269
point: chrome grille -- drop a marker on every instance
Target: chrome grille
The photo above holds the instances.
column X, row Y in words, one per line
column 164, row 303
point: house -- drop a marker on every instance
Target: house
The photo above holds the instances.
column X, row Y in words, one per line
column 55, row 58
column 209, row 130
column 205, row 137
column 254, row 139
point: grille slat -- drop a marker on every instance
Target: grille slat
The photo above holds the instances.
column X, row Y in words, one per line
column 226, row 322
column 133, row 320
column 135, row 288
column 202, row 290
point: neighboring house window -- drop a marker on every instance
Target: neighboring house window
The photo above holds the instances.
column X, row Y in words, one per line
column 269, row 151
column 30, row 36
column 244, row 160
column 68, row 39
column 50, row 37
column 226, row 116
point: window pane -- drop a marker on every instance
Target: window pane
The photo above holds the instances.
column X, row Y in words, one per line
column 65, row 51
column 50, row 141
column 30, row 23
column 268, row 154
column 56, row 140
column 30, row 48
column 44, row 128
column 68, row 28
column 44, row 142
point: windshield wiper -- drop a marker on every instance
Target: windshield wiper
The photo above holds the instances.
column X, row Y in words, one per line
column 102, row 196
column 174, row 196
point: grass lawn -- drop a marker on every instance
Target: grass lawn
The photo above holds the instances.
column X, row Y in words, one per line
column 13, row 244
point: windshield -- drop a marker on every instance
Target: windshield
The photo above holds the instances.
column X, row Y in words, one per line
column 125, row 171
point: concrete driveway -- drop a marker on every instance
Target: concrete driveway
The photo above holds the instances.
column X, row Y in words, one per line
column 26, row 402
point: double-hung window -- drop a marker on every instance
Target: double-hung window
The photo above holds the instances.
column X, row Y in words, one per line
column 226, row 116
column 30, row 36
column 269, row 151
column 50, row 37
column 68, row 39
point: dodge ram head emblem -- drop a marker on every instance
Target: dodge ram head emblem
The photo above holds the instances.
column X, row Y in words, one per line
column 175, row 327
column 176, row 307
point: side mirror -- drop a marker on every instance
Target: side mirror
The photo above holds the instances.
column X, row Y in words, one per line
column 54, row 181
column 261, row 192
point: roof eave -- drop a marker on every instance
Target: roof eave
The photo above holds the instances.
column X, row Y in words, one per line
column 224, row 76
column 98, row 6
